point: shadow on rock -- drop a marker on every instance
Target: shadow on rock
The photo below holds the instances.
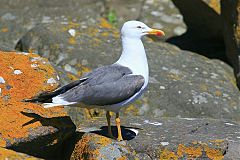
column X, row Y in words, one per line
column 52, row 131
column 204, row 29
column 127, row 132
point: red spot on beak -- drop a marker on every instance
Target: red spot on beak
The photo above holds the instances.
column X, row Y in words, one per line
column 156, row 32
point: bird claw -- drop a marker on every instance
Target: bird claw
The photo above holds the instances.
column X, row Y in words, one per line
column 119, row 139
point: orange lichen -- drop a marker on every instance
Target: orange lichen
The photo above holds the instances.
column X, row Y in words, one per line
column 218, row 93
column 70, row 25
column 72, row 41
column 132, row 109
column 215, row 5
column 82, row 149
column 122, row 158
column 104, row 23
column 191, row 152
column 103, row 141
column 83, row 69
column 4, row 30
column 2, row 143
column 217, row 141
column 30, row 82
column 213, row 154
column 72, row 76
column 168, row 155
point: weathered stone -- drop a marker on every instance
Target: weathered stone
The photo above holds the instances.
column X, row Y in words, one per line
column 231, row 30
column 169, row 138
column 164, row 15
column 160, row 14
column 93, row 146
column 15, row 19
column 7, row 154
column 182, row 83
column 28, row 127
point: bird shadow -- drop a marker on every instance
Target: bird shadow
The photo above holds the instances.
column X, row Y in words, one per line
column 43, row 146
column 128, row 133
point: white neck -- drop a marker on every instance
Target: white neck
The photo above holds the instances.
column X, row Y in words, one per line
column 134, row 56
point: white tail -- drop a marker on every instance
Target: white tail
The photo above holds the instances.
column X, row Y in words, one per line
column 49, row 105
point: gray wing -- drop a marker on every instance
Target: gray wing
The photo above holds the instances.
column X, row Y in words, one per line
column 105, row 86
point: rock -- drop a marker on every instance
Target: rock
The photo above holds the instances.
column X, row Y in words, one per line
column 204, row 28
column 93, row 146
column 4, row 47
column 182, row 83
column 167, row 138
column 28, row 127
column 161, row 14
column 231, row 31
column 15, row 19
column 11, row 155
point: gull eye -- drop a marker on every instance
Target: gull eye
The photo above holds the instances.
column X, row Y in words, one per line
column 139, row 27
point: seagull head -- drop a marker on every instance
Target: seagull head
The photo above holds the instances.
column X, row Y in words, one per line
column 137, row 29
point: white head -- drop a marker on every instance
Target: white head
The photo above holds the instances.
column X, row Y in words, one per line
column 136, row 29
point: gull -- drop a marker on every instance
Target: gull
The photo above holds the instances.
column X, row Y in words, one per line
column 113, row 86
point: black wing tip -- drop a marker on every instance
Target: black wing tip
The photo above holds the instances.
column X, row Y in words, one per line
column 30, row 100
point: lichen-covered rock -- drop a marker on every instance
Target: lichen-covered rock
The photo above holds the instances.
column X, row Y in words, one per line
column 170, row 138
column 182, row 84
column 28, row 127
column 15, row 19
column 97, row 147
column 231, row 30
column 7, row 154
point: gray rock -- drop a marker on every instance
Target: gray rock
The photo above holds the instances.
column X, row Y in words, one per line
column 160, row 14
column 17, row 17
column 164, row 13
column 172, row 137
column 97, row 147
column 182, row 83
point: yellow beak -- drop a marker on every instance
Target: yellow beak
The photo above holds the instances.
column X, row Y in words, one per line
column 157, row 32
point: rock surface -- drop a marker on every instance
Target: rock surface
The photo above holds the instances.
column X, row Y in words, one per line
column 93, row 146
column 17, row 17
column 28, row 127
column 164, row 138
column 7, row 154
column 231, row 30
column 182, row 84
column 160, row 14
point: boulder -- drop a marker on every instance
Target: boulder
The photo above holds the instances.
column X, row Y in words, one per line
column 182, row 83
column 204, row 28
column 163, row 138
column 93, row 146
column 28, row 127
column 231, row 31
column 158, row 14
column 11, row 155
column 15, row 19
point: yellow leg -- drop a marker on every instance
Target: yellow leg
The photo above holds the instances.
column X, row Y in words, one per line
column 109, row 124
column 118, row 127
